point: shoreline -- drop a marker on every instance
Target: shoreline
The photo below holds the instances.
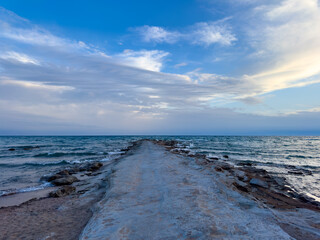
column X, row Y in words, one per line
column 92, row 189
column 37, row 215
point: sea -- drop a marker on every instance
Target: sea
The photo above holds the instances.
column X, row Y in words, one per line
column 24, row 159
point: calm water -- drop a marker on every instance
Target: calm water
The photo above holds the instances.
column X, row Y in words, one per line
column 35, row 156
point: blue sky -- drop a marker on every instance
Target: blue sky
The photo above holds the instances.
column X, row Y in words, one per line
column 247, row 67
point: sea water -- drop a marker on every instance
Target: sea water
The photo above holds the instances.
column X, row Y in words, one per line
column 23, row 160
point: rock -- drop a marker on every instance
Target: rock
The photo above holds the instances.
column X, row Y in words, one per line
column 258, row 182
column 241, row 176
column 63, row 191
column 11, row 149
column 218, row 169
column 55, row 176
column 171, row 143
column 68, row 180
column 245, row 164
column 74, row 170
column 226, row 167
column 240, row 188
column 184, row 151
column 199, row 155
column 63, row 173
column 49, row 178
column 212, row 159
column 225, row 156
column 308, row 172
column 95, row 166
column 91, row 167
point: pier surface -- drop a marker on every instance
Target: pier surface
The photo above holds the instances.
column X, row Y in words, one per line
column 155, row 194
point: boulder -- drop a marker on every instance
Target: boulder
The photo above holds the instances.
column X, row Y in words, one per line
column 49, row 178
column 63, row 191
column 259, row 182
column 64, row 173
column 67, row 180
column 74, row 170
column 212, row 159
column 241, row 175
column 11, row 149
column 218, row 169
column 55, row 176
column 225, row 156
column 90, row 167
column 240, row 188
column 245, row 164
column 225, row 167
column 95, row 166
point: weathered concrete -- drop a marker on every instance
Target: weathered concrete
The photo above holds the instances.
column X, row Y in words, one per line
column 155, row 194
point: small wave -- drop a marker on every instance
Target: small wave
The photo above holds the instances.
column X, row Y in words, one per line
column 35, row 164
column 62, row 154
column 114, row 153
column 296, row 156
column 23, row 190
column 24, row 147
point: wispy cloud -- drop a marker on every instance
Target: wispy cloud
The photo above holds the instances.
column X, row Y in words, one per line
column 19, row 57
column 202, row 33
column 207, row 33
column 35, row 85
column 287, row 37
column 157, row 34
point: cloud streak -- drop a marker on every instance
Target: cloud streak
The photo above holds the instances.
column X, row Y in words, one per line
column 202, row 33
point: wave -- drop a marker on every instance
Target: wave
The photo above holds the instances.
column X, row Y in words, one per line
column 62, row 154
column 23, row 190
column 62, row 162
column 297, row 156
column 35, row 164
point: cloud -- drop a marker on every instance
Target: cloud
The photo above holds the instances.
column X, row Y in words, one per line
column 287, row 37
column 207, row 33
column 203, row 33
column 251, row 100
column 36, row 85
column 20, row 57
column 51, row 79
column 149, row 60
column 180, row 65
column 157, row 34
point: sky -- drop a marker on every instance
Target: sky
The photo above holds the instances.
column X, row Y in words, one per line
column 184, row 67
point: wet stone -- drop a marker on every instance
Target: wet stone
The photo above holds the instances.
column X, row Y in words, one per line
column 258, row 182
column 68, row 180
column 63, row 191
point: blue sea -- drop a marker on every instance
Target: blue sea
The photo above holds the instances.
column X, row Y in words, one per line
column 23, row 160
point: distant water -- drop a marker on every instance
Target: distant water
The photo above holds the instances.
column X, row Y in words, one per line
column 33, row 157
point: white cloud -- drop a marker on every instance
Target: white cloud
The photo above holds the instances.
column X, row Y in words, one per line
column 149, row 60
column 203, row 33
column 207, row 33
column 36, row 85
column 157, row 34
column 180, row 65
column 20, row 57
column 287, row 37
